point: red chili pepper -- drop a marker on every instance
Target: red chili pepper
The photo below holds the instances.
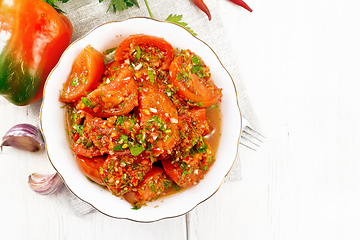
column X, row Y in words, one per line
column 76, row 137
column 202, row 6
column 241, row 3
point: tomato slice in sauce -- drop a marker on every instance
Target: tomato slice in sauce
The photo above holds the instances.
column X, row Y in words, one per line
column 192, row 167
column 158, row 120
column 85, row 75
column 90, row 167
column 192, row 80
column 155, row 184
column 112, row 135
column 121, row 174
column 146, row 50
column 84, row 150
column 118, row 95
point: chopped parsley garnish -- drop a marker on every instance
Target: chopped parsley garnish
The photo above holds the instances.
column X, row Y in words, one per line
column 78, row 129
column 152, row 187
column 120, row 5
column 120, row 120
column 86, row 102
column 196, row 69
column 118, row 148
column 138, row 53
column 74, row 81
column 151, row 76
column 136, row 149
column 201, row 147
column 135, row 207
column 195, row 60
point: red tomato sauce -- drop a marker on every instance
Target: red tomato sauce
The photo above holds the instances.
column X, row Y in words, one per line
column 150, row 125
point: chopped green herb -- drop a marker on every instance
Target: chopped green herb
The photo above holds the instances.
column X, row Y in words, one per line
column 78, row 128
column 75, row 81
column 74, row 117
column 86, row 102
column 118, row 148
column 138, row 53
column 176, row 187
column 135, row 207
column 195, row 60
column 200, row 104
column 152, row 187
column 201, row 147
column 110, row 50
column 151, row 76
column 196, row 69
column 136, row 149
column 120, row 120
column 123, row 138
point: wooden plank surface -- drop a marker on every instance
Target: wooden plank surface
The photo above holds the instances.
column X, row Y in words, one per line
column 300, row 64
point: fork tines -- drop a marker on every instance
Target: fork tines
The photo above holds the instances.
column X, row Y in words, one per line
column 250, row 137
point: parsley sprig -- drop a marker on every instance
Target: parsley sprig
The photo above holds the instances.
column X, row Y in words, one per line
column 120, row 5
column 177, row 19
column 52, row 3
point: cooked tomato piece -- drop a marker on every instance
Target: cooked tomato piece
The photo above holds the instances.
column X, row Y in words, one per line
column 146, row 50
column 117, row 96
column 146, row 78
column 193, row 125
column 85, row 75
column 121, row 174
column 84, row 150
column 192, row 80
column 112, row 70
column 158, row 120
column 155, row 184
column 90, row 167
column 190, row 168
column 113, row 134
column 194, row 120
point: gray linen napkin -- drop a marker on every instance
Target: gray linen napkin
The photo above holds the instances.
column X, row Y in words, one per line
column 87, row 14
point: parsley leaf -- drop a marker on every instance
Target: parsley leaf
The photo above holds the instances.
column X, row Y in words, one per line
column 195, row 60
column 75, row 81
column 86, row 102
column 52, row 3
column 136, row 149
column 138, row 53
column 176, row 19
column 151, row 76
column 78, row 129
column 120, row 5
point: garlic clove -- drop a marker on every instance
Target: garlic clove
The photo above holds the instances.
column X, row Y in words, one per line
column 45, row 184
column 24, row 136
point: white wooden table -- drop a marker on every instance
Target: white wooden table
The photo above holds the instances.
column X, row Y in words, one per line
column 300, row 63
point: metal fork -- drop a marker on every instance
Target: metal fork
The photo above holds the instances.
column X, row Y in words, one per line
column 250, row 137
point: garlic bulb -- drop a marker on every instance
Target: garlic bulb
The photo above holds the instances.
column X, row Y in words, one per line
column 45, row 184
column 24, row 136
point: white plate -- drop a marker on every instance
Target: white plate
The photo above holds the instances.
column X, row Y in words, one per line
column 53, row 126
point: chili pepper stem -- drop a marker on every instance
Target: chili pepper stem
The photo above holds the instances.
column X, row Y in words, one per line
column 148, row 8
